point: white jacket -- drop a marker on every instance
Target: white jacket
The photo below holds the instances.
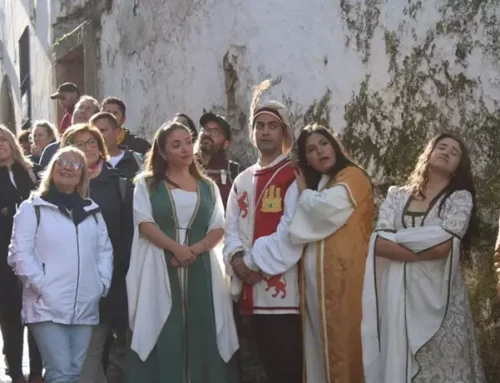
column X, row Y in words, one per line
column 65, row 269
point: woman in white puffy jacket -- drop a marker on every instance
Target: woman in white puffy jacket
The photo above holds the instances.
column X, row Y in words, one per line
column 61, row 251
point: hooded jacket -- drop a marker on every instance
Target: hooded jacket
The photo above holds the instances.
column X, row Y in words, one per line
column 65, row 268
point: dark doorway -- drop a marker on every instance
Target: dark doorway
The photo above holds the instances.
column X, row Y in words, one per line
column 70, row 68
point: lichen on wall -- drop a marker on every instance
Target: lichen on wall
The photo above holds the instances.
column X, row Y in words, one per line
column 442, row 77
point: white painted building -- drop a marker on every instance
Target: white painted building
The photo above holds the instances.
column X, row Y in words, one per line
column 25, row 61
column 397, row 58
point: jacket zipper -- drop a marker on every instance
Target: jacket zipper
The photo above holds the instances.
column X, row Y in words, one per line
column 78, row 273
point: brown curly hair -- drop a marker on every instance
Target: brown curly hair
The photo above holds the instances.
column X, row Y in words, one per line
column 461, row 180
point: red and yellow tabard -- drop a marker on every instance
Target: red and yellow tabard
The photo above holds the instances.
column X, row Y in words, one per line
column 261, row 199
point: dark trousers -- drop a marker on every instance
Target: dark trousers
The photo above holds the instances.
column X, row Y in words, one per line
column 13, row 339
column 279, row 343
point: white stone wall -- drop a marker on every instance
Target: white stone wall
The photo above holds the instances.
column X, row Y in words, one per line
column 165, row 57
column 15, row 16
column 168, row 58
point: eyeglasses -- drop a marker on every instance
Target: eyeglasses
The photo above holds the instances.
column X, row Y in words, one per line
column 214, row 132
column 92, row 143
column 75, row 165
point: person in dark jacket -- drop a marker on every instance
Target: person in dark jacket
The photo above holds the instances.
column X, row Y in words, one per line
column 211, row 152
column 117, row 108
column 17, row 180
column 114, row 196
column 127, row 162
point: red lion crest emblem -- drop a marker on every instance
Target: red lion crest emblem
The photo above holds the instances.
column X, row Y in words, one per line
column 277, row 282
column 243, row 204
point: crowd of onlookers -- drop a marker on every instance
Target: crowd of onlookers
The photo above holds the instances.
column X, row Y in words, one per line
column 109, row 254
column 44, row 155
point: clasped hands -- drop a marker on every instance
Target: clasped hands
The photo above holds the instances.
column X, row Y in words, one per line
column 185, row 256
column 243, row 272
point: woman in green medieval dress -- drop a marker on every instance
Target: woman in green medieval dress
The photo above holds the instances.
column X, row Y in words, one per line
column 179, row 305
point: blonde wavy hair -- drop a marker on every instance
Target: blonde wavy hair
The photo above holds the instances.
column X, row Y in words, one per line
column 47, row 179
column 15, row 147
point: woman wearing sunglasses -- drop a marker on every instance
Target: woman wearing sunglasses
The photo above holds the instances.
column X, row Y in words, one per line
column 61, row 251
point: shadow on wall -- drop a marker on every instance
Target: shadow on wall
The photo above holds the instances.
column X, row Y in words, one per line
column 7, row 115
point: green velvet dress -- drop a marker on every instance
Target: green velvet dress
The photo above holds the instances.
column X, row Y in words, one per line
column 186, row 350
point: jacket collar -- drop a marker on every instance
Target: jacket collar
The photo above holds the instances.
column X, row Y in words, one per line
column 38, row 201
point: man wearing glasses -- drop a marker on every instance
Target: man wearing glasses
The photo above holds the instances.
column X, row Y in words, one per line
column 85, row 108
column 211, row 152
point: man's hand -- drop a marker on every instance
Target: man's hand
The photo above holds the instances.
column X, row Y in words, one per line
column 243, row 272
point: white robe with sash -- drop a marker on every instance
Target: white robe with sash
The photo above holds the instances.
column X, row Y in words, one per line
column 417, row 324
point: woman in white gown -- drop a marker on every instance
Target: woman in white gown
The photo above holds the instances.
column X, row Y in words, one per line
column 180, row 308
column 417, row 325
column 334, row 218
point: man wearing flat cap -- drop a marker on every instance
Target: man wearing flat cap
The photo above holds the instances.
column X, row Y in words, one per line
column 211, row 152
column 68, row 95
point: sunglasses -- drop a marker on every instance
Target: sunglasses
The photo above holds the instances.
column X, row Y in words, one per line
column 75, row 165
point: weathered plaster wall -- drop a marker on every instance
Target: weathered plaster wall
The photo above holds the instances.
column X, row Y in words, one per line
column 15, row 16
column 387, row 75
column 168, row 56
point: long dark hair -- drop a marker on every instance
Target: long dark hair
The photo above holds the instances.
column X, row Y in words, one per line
column 461, row 180
column 155, row 166
column 190, row 125
column 342, row 159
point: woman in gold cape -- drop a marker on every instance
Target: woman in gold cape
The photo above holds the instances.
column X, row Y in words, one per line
column 334, row 218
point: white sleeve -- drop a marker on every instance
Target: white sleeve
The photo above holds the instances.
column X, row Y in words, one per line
column 274, row 254
column 320, row 214
column 217, row 220
column 232, row 241
column 22, row 248
column 105, row 259
column 143, row 211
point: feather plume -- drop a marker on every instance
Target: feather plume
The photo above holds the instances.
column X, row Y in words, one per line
column 257, row 92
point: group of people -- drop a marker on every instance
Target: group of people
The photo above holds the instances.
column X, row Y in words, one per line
column 166, row 259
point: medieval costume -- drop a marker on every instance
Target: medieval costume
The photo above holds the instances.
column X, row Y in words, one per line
column 260, row 208
column 417, row 325
column 336, row 223
column 181, row 318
